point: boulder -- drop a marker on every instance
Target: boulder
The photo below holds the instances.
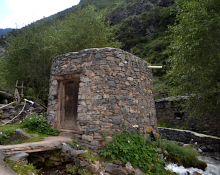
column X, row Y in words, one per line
column 76, row 153
column 112, row 168
column 19, row 134
column 129, row 168
column 2, row 155
column 81, row 163
column 138, row 172
column 19, row 157
column 93, row 168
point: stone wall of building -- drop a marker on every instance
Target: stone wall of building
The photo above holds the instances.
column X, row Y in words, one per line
column 115, row 90
column 170, row 110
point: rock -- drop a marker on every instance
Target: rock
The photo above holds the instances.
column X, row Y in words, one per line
column 199, row 150
column 76, row 153
column 54, row 159
column 93, row 168
column 40, row 159
column 19, row 134
column 161, row 155
column 6, row 115
column 165, row 152
column 65, row 148
column 129, row 168
column 159, row 150
column 2, row 155
column 81, row 163
column 36, row 135
column 118, row 162
column 138, row 172
column 93, row 129
column 86, row 137
column 111, row 168
column 19, row 157
column 204, row 149
column 115, row 169
column 5, row 121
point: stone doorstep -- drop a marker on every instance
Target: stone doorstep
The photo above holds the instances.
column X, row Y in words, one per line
column 50, row 143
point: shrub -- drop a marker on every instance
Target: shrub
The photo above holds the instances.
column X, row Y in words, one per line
column 130, row 147
column 71, row 169
column 186, row 155
column 76, row 170
column 5, row 136
column 39, row 124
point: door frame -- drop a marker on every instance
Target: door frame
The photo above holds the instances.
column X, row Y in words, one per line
column 62, row 80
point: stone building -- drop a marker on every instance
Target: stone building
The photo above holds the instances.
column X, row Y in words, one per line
column 170, row 110
column 97, row 92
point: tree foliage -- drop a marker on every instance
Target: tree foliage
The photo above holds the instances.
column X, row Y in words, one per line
column 195, row 51
column 144, row 35
column 32, row 49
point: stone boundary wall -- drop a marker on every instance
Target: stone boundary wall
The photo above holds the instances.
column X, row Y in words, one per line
column 170, row 110
column 205, row 142
column 115, row 88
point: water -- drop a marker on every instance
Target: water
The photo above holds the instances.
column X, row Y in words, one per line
column 213, row 168
column 213, row 165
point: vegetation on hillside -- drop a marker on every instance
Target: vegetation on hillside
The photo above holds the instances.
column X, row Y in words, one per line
column 193, row 45
column 32, row 49
column 144, row 35
column 32, row 124
column 144, row 153
column 195, row 51
column 4, row 32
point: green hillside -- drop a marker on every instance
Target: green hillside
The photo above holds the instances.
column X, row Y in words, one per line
column 4, row 32
column 136, row 26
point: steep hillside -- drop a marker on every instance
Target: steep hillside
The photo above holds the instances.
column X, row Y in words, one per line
column 140, row 25
column 137, row 26
column 4, row 32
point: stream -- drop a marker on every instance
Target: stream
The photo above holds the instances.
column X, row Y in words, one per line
column 213, row 168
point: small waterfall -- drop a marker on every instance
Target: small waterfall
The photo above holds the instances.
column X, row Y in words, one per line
column 213, row 168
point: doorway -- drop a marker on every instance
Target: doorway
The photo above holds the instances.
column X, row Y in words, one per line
column 68, row 98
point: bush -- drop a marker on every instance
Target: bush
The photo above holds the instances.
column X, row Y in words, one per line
column 130, row 147
column 39, row 124
column 5, row 136
column 186, row 155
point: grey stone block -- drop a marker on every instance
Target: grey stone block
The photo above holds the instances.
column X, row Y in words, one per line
column 19, row 156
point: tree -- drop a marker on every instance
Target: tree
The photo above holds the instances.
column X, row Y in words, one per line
column 195, row 50
column 32, row 49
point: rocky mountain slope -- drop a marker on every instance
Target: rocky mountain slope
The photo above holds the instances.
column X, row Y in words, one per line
column 4, row 32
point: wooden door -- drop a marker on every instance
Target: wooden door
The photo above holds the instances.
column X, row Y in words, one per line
column 69, row 105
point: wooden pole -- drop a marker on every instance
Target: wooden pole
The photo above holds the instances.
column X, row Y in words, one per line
column 155, row 67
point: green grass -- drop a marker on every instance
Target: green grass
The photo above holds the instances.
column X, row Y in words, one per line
column 185, row 155
column 10, row 129
column 5, row 127
column 161, row 123
column 133, row 148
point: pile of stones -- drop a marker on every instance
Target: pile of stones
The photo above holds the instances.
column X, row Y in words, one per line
column 9, row 112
